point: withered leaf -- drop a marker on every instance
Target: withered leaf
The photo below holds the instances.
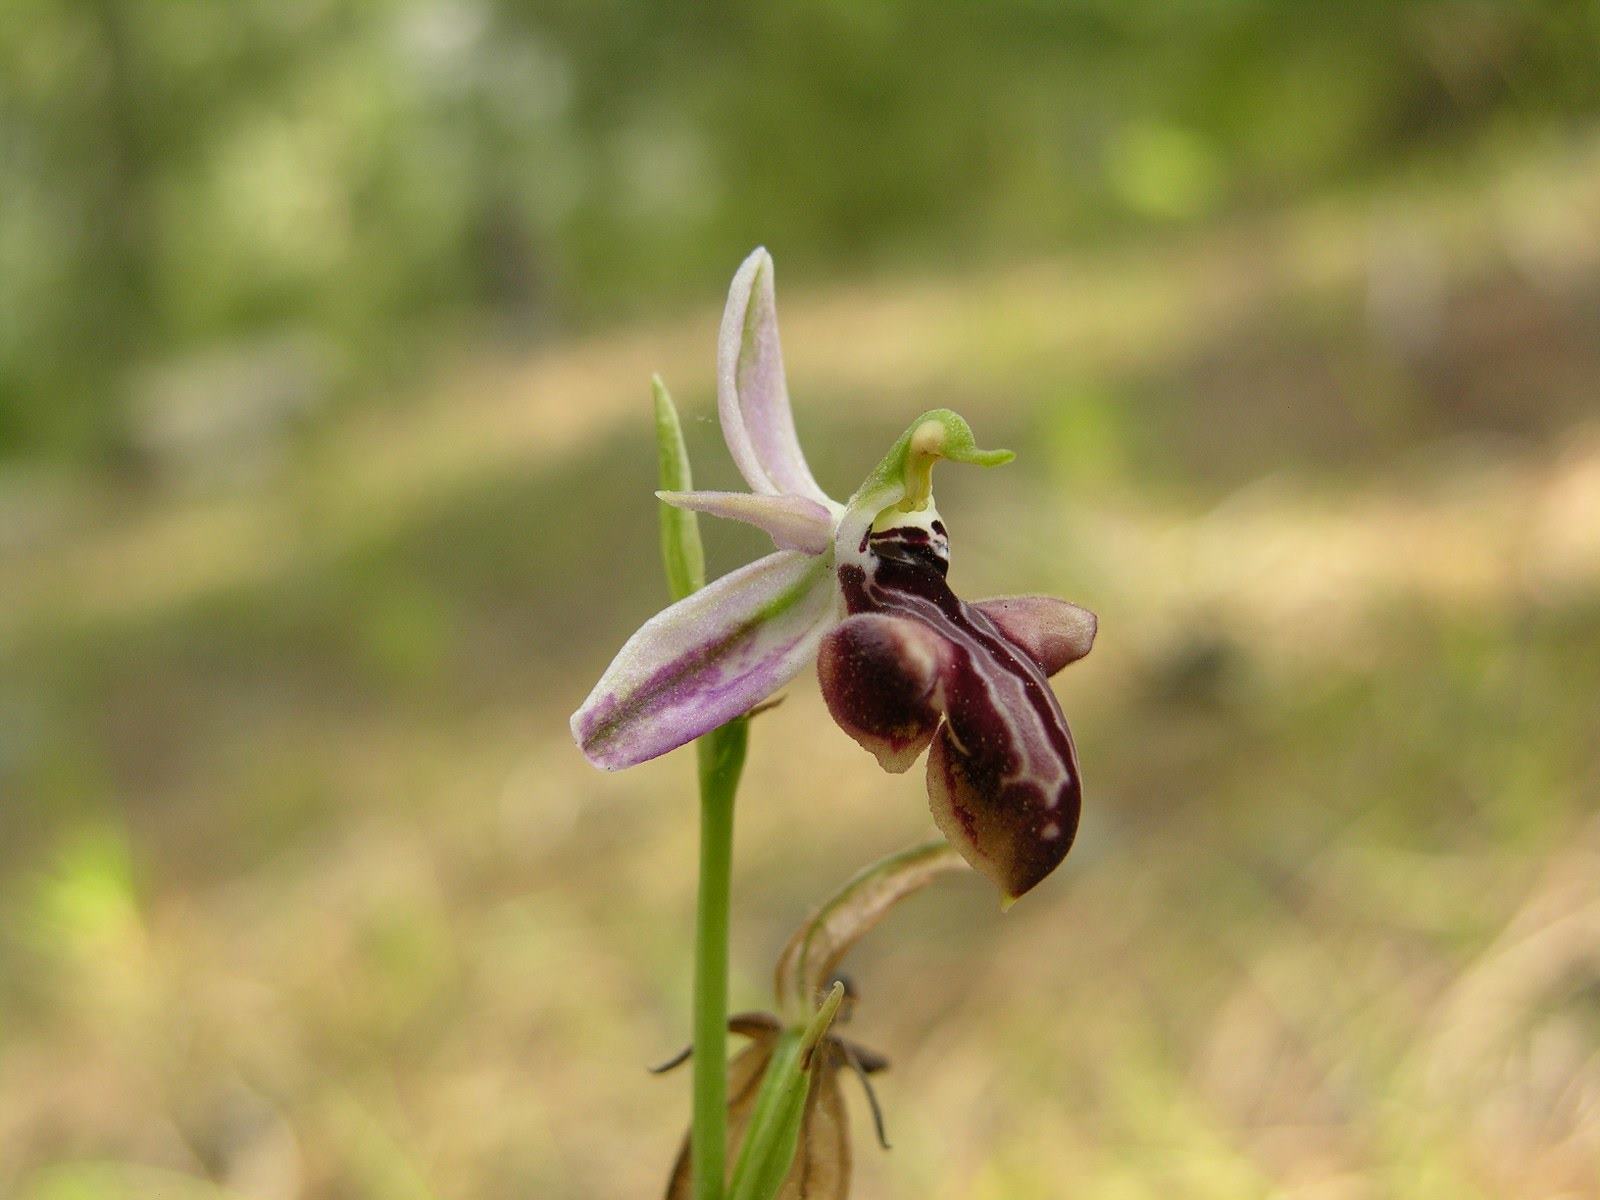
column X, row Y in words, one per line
column 811, row 956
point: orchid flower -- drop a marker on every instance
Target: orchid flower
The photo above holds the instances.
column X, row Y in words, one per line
column 860, row 587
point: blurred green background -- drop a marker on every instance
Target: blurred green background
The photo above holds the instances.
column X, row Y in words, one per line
column 325, row 472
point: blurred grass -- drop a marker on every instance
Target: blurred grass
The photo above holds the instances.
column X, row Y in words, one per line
column 298, row 197
column 306, row 892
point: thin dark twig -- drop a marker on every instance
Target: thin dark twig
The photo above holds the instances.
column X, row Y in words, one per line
column 866, row 1085
column 677, row 1060
column 767, row 705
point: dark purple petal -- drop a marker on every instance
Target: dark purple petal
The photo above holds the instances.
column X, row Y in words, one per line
column 880, row 677
column 1053, row 632
column 1003, row 776
column 1002, row 825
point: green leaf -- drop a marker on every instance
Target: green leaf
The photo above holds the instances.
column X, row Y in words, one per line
column 780, row 1109
column 681, row 551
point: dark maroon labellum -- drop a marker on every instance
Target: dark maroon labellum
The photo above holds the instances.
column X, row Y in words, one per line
column 1003, row 777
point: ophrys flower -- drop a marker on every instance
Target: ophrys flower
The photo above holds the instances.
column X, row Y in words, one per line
column 860, row 586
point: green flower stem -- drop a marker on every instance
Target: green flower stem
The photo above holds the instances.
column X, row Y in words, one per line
column 720, row 755
column 721, row 759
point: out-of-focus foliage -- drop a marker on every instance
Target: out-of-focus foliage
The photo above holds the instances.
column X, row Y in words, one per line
column 334, row 175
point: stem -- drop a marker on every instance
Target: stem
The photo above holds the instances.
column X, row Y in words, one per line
column 721, row 759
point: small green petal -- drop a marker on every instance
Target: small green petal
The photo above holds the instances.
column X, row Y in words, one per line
column 903, row 480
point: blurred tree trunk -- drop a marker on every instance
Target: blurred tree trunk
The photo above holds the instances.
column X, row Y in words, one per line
column 121, row 314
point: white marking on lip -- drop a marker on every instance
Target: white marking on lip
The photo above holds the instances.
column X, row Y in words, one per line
column 1037, row 762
